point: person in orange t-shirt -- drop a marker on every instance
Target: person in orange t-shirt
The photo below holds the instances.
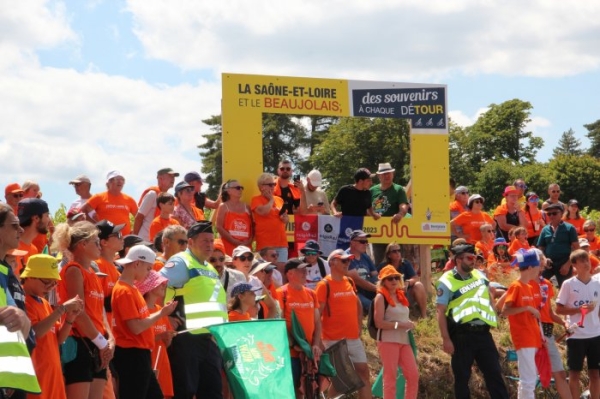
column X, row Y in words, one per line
column 234, row 218
column 111, row 242
column 83, row 375
column 520, row 241
column 594, row 261
column 534, row 217
column 467, row 224
column 295, row 297
column 112, row 204
column 242, row 299
column 165, row 203
column 270, row 220
column 40, row 275
column 341, row 315
column 485, row 246
column 133, row 328
column 34, row 218
column 153, row 288
column 589, row 233
column 573, row 217
column 523, row 320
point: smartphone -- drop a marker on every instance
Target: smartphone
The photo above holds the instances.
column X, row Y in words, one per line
column 320, row 204
column 296, row 177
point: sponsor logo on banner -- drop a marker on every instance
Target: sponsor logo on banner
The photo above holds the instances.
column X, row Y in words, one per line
column 431, row 227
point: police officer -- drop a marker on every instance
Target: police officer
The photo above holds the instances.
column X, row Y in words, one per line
column 14, row 324
column 465, row 314
column 195, row 359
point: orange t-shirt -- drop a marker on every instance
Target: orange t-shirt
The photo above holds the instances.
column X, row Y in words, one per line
column 40, row 241
column 524, row 327
column 129, row 304
column 234, row 315
column 485, row 248
column 456, row 208
column 594, row 245
column 470, row 223
column 45, row 357
column 94, row 296
column 341, row 321
column 270, row 231
column 108, row 282
column 159, row 224
column 239, row 225
column 303, row 302
column 577, row 223
column 164, row 366
column 159, row 262
column 534, row 220
column 31, row 249
column 515, row 245
column 594, row 261
column 536, row 288
column 115, row 208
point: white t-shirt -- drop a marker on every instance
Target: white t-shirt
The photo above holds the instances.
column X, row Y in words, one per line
column 314, row 197
column 147, row 208
column 78, row 203
column 575, row 293
column 313, row 274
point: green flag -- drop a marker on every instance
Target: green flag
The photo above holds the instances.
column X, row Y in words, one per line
column 256, row 358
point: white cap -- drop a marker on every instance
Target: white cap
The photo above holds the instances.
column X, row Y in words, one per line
column 315, row 178
column 112, row 174
column 138, row 252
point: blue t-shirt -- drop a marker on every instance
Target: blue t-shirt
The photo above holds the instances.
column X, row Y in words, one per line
column 406, row 268
column 365, row 267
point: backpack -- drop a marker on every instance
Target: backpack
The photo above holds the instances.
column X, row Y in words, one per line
column 373, row 331
column 320, row 264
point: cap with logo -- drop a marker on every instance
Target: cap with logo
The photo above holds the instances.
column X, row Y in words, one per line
column 41, row 266
column 358, row 234
column 106, row 228
column 138, row 252
column 30, row 207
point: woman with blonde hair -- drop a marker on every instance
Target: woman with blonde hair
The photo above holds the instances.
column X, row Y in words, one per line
column 85, row 375
column 391, row 319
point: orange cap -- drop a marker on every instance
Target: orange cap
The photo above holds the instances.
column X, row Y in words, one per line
column 388, row 271
column 218, row 245
column 12, row 188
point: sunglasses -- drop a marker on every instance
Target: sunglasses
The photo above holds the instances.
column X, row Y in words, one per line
column 499, row 247
column 362, row 241
column 48, row 283
column 534, row 199
column 477, row 201
column 244, row 258
column 239, row 188
column 269, row 184
column 119, row 235
column 309, row 253
column 552, row 213
column 589, row 230
column 181, row 241
column 287, row 168
column 394, row 251
column 465, row 193
column 344, row 261
column 523, row 186
column 219, row 259
column 188, row 190
column 393, row 278
column 20, row 195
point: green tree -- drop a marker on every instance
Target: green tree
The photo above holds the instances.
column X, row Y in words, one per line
column 568, row 145
column 576, row 175
column 284, row 137
column 594, row 135
column 60, row 216
column 461, row 166
column 212, row 155
column 362, row 142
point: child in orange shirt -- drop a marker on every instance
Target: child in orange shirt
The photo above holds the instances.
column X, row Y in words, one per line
column 39, row 277
column 166, row 204
column 520, row 240
column 153, row 288
column 133, row 330
column 523, row 319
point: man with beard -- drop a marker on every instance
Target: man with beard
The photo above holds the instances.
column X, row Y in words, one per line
column 34, row 218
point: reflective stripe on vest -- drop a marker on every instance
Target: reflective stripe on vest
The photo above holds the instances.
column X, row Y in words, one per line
column 16, row 368
column 203, row 296
column 472, row 301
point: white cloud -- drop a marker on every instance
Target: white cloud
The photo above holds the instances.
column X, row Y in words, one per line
column 393, row 39
column 461, row 119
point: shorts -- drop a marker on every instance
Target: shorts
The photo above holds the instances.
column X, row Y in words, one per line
column 282, row 254
column 356, row 349
column 82, row 368
column 555, row 357
column 579, row 349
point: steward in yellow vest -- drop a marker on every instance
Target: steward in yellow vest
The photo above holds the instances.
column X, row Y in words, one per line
column 195, row 359
column 465, row 314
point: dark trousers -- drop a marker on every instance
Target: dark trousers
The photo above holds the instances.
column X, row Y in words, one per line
column 478, row 347
column 196, row 365
column 135, row 374
column 548, row 273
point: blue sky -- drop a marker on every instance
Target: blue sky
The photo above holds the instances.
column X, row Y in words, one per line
column 90, row 86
